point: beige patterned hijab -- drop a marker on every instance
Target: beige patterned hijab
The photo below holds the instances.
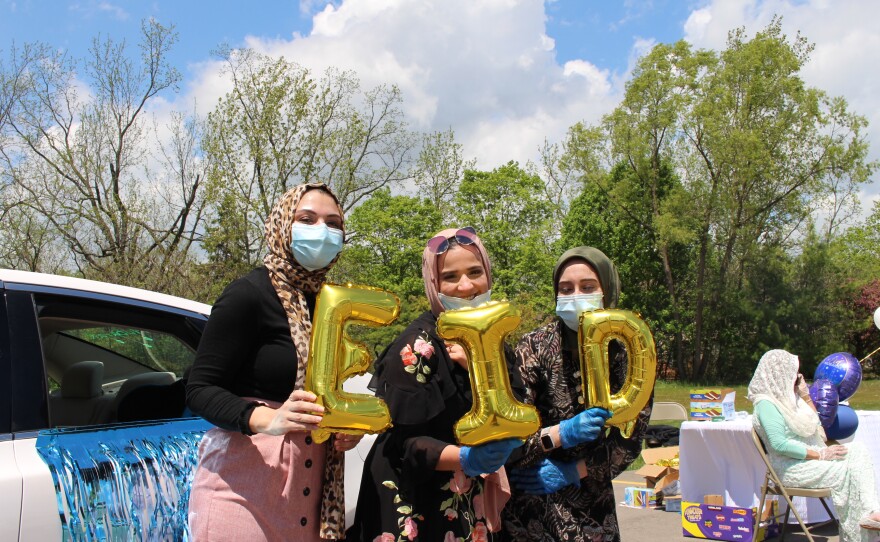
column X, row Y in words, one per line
column 292, row 281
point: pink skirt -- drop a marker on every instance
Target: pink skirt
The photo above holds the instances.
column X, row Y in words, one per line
column 258, row 487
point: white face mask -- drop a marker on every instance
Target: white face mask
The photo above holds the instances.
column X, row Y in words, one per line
column 569, row 307
column 452, row 303
column 315, row 246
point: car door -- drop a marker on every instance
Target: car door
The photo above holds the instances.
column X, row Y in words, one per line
column 10, row 475
column 78, row 472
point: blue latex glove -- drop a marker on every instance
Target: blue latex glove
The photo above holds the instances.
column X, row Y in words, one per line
column 547, row 477
column 486, row 458
column 585, row 427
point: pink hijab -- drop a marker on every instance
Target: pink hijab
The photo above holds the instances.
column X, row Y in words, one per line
column 496, row 491
column 432, row 263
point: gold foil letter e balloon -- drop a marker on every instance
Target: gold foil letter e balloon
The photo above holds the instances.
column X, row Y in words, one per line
column 596, row 330
column 495, row 413
column 334, row 357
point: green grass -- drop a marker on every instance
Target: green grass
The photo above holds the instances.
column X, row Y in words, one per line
column 867, row 397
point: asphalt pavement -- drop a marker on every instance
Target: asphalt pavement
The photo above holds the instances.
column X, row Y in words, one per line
column 650, row 525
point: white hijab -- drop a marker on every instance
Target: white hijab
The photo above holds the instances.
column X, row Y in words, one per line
column 774, row 381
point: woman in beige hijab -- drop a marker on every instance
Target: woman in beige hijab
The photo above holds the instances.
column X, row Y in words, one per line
column 789, row 426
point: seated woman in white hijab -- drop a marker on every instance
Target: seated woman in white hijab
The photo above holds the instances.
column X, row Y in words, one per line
column 791, row 429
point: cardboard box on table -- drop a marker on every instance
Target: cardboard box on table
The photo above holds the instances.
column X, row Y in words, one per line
column 732, row 523
column 713, row 403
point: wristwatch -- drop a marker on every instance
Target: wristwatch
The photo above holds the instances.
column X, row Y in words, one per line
column 547, row 441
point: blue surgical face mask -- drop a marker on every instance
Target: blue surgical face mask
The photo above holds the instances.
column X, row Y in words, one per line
column 452, row 303
column 569, row 307
column 315, row 246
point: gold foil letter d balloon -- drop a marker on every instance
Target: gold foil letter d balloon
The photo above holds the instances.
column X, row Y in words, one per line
column 596, row 330
column 334, row 357
column 495, row 414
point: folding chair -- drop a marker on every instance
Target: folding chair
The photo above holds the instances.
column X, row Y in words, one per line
column 668, row 411
column 773, row 486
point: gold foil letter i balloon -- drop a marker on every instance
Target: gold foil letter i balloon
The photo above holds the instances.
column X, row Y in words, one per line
column 596, row 330
column 334, row 357
column 495, row 413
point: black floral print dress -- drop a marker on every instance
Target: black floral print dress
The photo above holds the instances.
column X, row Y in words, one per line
column 548, row 362
column 402, row 497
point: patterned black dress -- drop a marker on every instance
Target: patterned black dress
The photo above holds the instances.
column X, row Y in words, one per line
column 548, row 362
column 402, row 497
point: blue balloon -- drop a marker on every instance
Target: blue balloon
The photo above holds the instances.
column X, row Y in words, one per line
column 823, row 392
column 843, row 370
column 844, row 425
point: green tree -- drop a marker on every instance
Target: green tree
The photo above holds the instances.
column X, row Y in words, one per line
column 514, row 221
column 856, row 255
column 857, row 250
column 764, row 143
column 279, row 127
column 386, row 237
column 80, row 161
column 643, row 132
column 757, row 152
column 439, row 169
column 631, row 241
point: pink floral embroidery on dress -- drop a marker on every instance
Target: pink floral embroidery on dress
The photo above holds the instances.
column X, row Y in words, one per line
column 415, row 357
column 466, row 502
column 409, row 528
column 407, row 356
column 424, row 347
column 460, row 483
column 480, row 533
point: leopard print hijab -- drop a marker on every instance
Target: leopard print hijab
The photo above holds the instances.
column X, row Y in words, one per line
column 292, row 281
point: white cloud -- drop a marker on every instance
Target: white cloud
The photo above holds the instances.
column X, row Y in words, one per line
column 697, row 23
column 487, row 69
column 89, row 9
column 116, row 11
column 843, row 63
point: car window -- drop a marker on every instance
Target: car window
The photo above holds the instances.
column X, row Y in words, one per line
column 154, row 349
column 108, row 361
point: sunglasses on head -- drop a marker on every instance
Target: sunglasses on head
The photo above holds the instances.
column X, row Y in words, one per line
column 440, row 244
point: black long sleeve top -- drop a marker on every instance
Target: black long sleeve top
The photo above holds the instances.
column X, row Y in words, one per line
column 245, row 351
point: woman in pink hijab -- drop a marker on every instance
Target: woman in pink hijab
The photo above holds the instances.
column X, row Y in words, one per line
column 417, row 483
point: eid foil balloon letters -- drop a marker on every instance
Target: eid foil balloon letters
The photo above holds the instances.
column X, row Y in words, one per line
column 596, row 330
column 495, row 413
column 334, row 357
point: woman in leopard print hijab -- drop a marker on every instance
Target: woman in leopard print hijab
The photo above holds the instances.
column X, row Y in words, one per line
column 260, row 475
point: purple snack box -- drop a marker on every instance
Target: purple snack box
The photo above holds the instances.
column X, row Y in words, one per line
column 721, row 522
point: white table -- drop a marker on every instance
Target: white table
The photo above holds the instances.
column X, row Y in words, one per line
column 719, row 458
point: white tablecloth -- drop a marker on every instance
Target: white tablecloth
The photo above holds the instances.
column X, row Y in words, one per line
column 719, row 458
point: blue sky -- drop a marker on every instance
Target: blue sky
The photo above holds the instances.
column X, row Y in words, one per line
column 505, row 75
column 604, row 31
column 201, row 25
column 600, row 30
